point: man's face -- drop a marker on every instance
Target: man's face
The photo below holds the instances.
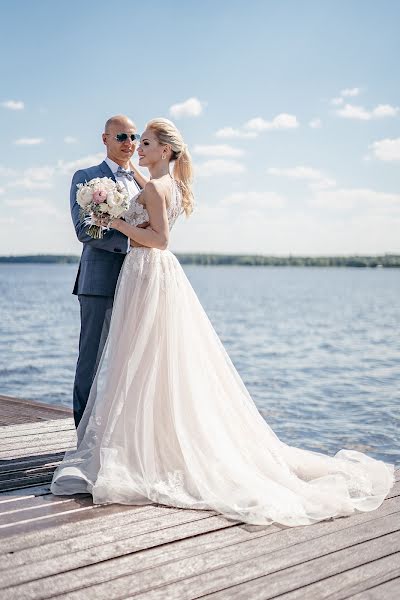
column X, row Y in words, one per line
column 120, row 152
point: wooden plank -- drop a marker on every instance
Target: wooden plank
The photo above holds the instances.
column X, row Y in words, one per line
column 38, row 451
column 245, row 532
column 9, row 417
column 232, row 554
column 32, row 441
column 39, row 426
column 45, row 510
column 25, row 492
column 34, row 534
column 174, row 524
column 9, row 434
column 143, row 560
column 34, row 479
column 395, row 491
column 387, row 591
column 28, row 468
column 332, row 577
column 215, row 532
column 340, row 586
column 208, row 572
column 14, row 415
column 14, row 505
column 21, row 404
column 26, row 462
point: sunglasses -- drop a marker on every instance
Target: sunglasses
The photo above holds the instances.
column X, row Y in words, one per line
column 122, row 137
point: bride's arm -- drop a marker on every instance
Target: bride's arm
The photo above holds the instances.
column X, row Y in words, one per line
column 141, row 179
column 157, row 234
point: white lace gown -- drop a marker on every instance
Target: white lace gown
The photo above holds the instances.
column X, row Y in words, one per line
column 170, row 421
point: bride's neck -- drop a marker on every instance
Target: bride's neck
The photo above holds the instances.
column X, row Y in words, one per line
column 159, row 170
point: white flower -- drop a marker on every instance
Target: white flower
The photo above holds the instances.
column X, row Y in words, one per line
column 119, row 199
column 84, row 196
column 93, row 182
column 115, row 211
column 103, row 207
column 108, row 184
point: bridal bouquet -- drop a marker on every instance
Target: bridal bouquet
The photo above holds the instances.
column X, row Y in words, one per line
column 103, row 198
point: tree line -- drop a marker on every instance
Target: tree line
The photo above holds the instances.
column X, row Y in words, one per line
column 385, row 260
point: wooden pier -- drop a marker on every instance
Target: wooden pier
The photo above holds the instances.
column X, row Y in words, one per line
column 67, row 548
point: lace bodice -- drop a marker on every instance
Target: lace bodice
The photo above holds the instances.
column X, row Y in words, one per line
column 137, row 214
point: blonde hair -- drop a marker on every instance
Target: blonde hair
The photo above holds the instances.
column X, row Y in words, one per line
column 167, row 133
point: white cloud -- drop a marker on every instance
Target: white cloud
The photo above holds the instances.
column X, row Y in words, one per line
column 346, row 93
column 34, row 178
column 385, row 110
column 316, row 179
column 69, row 167
column 34, row 206
column 351, row 92
column 39, row 173
column 218, row 150
column 360, row 198
column 351, row 111
column 29, row 141
column 281, row 121
column 253, row 127
column 192, row 107
column 230, row 132
column 70, row 140
column 315, row 123
column 251, row 200
column 1, row 191
column 219, row 167
column 7, row 172
column 387, row 149
column 13, row 104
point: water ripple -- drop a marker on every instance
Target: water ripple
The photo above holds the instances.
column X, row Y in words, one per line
column 319, row 349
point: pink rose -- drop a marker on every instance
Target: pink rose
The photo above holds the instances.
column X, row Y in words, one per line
column 99, row 196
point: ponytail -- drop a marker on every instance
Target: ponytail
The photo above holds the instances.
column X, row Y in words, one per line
column 183, row 174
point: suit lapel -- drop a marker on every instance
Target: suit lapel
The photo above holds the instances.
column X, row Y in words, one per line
column 105, row 169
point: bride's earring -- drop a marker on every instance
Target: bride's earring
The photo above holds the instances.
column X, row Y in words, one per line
column 163, row 156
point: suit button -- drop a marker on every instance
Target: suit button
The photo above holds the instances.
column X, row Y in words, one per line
column 117, row 249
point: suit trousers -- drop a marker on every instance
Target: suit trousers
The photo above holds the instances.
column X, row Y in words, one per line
column 95, row 323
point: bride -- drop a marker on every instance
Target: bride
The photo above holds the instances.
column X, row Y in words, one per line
column 169, row 419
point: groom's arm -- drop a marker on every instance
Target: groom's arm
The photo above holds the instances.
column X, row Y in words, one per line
column 112, row 241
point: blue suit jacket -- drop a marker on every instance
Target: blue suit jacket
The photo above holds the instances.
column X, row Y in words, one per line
column 101, row 260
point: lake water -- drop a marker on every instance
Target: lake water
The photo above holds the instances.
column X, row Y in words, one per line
column 318, row 348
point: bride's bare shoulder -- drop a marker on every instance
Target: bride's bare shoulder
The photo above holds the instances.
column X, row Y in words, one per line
column 156, row 190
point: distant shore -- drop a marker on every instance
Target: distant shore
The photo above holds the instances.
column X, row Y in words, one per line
column 379, row 261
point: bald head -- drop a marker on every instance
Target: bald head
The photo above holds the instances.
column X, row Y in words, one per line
column 119, row 121
column 120, row 150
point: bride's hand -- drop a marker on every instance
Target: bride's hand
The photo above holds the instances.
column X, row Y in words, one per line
column 115, row 223
column 100, row 221
column 134, row 244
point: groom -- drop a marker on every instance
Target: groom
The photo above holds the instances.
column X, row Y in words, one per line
column 101, row 259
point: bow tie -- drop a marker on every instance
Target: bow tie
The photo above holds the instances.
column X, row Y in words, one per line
column 123, row 173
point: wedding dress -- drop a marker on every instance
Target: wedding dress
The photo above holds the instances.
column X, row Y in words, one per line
column 170, row 421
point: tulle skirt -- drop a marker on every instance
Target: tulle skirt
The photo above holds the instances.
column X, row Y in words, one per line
column 170, row 421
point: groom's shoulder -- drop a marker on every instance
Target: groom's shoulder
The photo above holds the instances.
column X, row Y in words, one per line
column 89, row 172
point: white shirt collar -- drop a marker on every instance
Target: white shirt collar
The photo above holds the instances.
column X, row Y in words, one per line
column 113, row 165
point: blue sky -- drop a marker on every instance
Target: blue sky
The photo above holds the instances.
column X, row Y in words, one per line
column 290, row 109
